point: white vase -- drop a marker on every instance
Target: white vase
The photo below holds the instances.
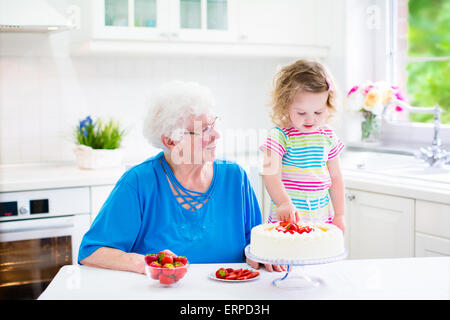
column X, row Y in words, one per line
column 88, row 158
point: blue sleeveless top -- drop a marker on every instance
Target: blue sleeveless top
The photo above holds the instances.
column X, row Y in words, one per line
column 143, row 215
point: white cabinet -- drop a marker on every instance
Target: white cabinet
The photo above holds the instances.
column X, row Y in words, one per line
column 99, row 194
column 432, row 229
column 284, row 22
column 431, row 246
column 282, row 28
column 163, row 20
column 381, row 226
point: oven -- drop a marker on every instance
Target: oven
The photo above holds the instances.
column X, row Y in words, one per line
column 40, row 231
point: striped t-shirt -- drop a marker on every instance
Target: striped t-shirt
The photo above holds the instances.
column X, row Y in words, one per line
column 304, row 171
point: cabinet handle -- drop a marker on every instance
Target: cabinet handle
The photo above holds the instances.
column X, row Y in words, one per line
column 350, row 197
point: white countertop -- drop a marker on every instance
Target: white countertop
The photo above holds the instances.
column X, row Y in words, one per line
column 392, row 174
column 54, row 175
column 407, row 278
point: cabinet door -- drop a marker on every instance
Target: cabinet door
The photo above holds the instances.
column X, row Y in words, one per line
column 99, row 194
column 433, row 218
column 130, row 19
column 382, row 226
column 284, row 22
column 203, row 20
column 431, row 246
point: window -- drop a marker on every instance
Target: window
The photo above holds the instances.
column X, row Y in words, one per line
column 421, row 54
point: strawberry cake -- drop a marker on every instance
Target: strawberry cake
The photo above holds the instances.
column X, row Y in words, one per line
column 282, row 240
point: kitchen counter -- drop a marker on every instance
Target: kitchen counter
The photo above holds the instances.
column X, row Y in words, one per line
column 408, row 278
column 52, row 176
column 393, row 174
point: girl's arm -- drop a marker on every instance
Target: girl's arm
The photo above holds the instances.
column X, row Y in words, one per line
column 337, row 192
column 275, row 187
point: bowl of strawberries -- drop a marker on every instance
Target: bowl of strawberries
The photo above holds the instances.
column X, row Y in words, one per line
column 166, row 267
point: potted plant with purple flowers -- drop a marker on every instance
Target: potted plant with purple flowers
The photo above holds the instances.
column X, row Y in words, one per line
column 98, row 143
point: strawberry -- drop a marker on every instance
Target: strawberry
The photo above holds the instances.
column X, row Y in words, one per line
column 253, row 274
column 168, row 269
column 180, row 271
column 166, row 279
column 221, row 273
column 181, row 259
column 229, row 270
column 170, row 253
column 165, row 257
column 292, row 226
column 149, row 258
column 155, row 270
column 232, row 276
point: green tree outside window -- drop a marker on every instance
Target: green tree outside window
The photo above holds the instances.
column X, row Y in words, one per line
column 428, row 80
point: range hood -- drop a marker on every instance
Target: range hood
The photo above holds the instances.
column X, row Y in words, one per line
column 31, row 16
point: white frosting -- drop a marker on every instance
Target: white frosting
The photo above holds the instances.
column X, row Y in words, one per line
column 325, row 241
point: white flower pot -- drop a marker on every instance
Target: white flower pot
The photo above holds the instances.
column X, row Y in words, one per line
column 88, row 158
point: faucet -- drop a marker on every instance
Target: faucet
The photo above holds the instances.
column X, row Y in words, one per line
column 434, row 155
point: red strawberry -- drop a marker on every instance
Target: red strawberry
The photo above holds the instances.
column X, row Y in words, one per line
column 292, row 226
column 253, row 274
column 150, row 258
column 168, row 269
column 181, row 259
column 232, row 276
column 165, row 279
column 155, row 270
column 180, row 271
column 221, row 273
column 165, row 257
column 170, row 253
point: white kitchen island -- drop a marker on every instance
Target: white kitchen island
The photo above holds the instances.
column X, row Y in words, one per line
column 406, row 278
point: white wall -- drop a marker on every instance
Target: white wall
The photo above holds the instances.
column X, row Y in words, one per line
column 45, row 91
column 42, row 99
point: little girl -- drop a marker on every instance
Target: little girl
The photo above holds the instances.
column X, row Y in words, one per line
column 301, row 163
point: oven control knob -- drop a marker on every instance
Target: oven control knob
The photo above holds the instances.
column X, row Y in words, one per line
column 23, row 210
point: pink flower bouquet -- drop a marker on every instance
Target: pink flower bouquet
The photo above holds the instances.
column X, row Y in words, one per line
column 371, row 99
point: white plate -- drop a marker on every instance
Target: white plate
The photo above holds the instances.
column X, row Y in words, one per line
column 212, row 275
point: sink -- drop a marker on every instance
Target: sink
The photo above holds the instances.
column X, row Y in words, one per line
column 394, row 165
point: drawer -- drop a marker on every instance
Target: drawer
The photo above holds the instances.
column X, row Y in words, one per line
column 433, row 218
column 430, row 246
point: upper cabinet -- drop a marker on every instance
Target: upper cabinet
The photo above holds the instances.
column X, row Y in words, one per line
column 176, row 20
column 290, row 28
column 283, row 22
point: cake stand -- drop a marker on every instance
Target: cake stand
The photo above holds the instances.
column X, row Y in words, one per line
column 300, row 280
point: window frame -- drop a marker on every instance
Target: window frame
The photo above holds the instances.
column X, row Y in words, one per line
column 397, row 61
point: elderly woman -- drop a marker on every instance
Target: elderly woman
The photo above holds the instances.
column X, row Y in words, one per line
column 181, row 199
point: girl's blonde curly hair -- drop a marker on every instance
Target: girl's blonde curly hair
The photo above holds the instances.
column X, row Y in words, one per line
column 302, row 75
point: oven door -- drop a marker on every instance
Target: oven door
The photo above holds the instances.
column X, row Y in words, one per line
column 31, row 253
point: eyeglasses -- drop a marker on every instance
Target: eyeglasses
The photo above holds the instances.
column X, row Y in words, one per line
column 205, row 130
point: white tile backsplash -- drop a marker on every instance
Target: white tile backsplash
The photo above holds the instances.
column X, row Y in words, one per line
column 42, row 98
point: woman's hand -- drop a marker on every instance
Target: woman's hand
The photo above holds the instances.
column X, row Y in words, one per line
column 137, row 262
column 269, row 267
column 287, row 212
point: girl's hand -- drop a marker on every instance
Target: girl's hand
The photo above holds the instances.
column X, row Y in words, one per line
column 338, row 221
column 287, row 212
column 269, row 267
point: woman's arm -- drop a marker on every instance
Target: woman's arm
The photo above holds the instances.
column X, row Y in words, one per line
column 275, row 187
column 337, row 192
column 111, row 258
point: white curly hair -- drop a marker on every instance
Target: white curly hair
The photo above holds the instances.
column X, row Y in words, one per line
column 169, row 107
